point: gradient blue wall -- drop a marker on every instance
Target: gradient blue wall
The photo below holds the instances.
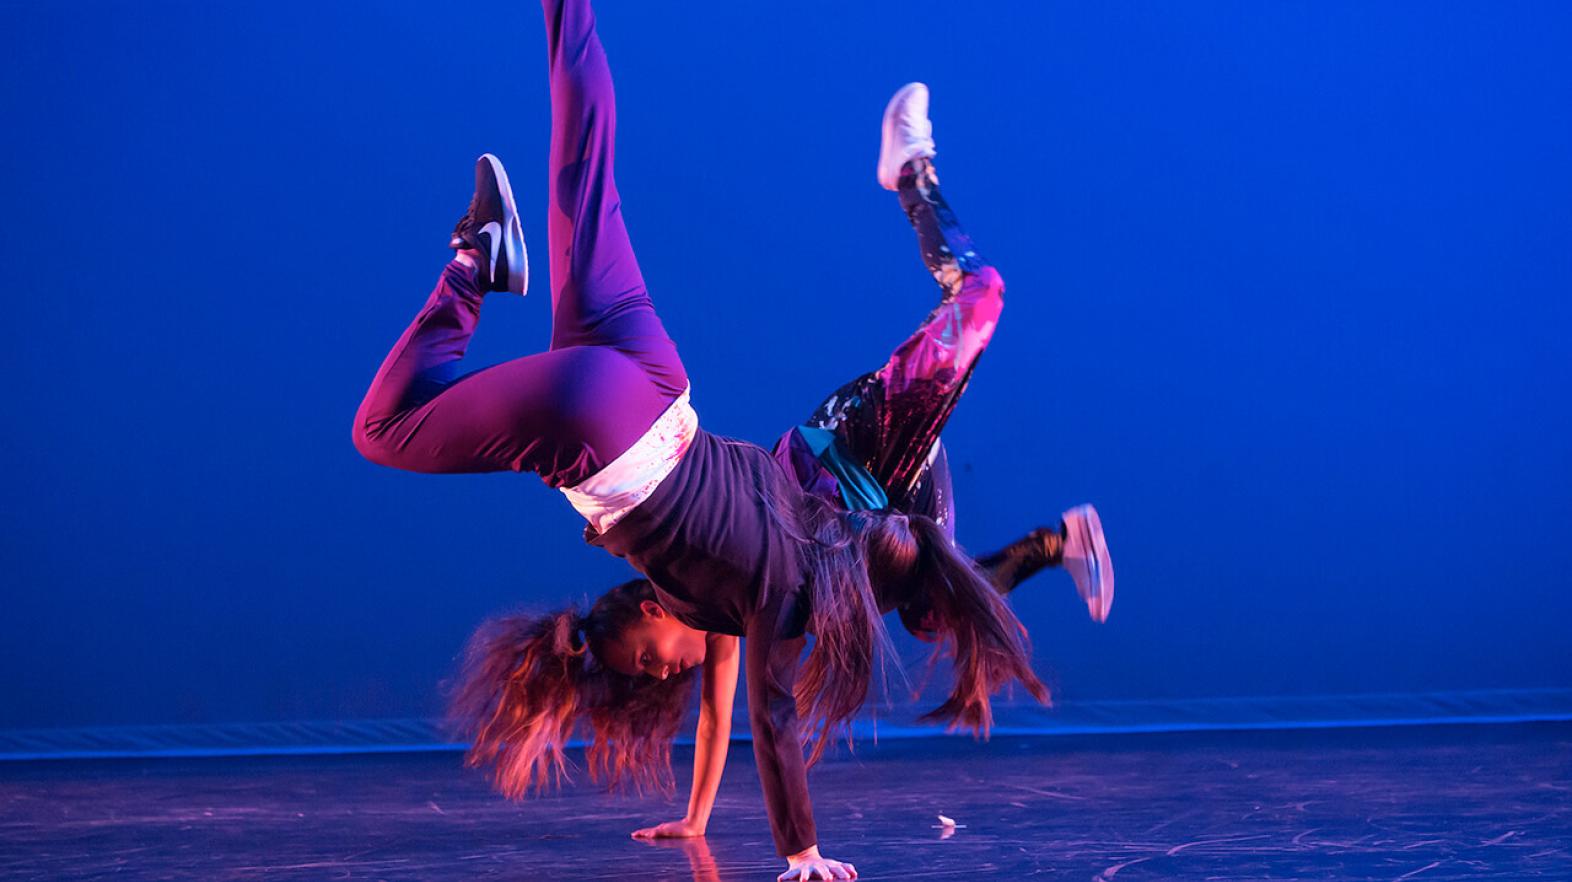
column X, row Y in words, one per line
column 1288, row 299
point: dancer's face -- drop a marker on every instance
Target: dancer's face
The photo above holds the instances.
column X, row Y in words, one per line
column 657, row 645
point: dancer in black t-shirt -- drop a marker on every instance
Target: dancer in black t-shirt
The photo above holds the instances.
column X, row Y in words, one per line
column 730, row 543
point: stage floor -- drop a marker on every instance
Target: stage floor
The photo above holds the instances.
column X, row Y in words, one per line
column 1422, row 803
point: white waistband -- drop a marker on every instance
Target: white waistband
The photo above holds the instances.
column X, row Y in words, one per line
column 604, row 497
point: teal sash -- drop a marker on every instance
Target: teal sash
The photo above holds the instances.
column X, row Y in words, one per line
column 859, row 490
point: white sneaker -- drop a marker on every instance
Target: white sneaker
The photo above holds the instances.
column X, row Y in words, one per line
column 1086, row 560
column 907, row 132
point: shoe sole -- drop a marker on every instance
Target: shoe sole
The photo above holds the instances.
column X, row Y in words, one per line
column 1098, row 592
column 887, row 133
column 513, row 241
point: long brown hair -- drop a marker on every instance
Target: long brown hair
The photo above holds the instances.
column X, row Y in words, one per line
column 529, row 682
column 977, row 628
column 854, row 559
column 849, row 637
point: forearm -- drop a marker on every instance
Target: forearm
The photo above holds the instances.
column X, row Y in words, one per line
column 721, row 665
column 709, row 764
column 784, row 779
column 777, row 749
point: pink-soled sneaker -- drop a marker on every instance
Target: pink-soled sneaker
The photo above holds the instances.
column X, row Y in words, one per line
column 1087, row 561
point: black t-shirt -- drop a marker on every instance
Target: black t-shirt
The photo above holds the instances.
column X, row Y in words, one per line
column 718, row 540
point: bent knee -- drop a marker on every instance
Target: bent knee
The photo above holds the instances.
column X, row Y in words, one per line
column 365, row 445
column 370, row 444
column 982, row 295
column 986, row 282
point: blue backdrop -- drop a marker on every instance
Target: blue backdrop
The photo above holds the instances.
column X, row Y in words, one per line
column 1288, row 299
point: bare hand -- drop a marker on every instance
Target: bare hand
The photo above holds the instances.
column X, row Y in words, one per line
column 817, row 867
column 683, row 829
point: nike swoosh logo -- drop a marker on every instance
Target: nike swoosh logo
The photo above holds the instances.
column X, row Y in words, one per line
column 493, row 229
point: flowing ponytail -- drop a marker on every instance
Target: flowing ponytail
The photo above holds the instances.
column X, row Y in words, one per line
column 849, row 636
column 518, row 698
column 976, row 627
column 527, row 682
column 856, row 559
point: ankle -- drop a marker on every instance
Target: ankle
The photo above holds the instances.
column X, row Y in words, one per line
column 1053, row 543
column 918, row 169
column 465, row 270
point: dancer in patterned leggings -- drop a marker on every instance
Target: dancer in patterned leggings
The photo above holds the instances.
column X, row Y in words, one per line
column 730, row 543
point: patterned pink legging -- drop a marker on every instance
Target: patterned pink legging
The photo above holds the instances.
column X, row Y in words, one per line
column 891, row 418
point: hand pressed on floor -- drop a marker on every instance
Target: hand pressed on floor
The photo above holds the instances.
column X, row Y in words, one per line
column 683, row 829
column 810, row 864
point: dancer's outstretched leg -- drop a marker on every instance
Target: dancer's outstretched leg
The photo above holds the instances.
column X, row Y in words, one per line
column 926, row 376
column 597, row 292
column 563, row 414
column 1077, row 545
column 1013, row 564
column 552, row 413
column 891, row 419
column 612, row 370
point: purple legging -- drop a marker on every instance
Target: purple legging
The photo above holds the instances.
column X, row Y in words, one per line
column 611, row 369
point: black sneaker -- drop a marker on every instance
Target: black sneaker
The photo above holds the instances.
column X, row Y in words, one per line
column 491, row 226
